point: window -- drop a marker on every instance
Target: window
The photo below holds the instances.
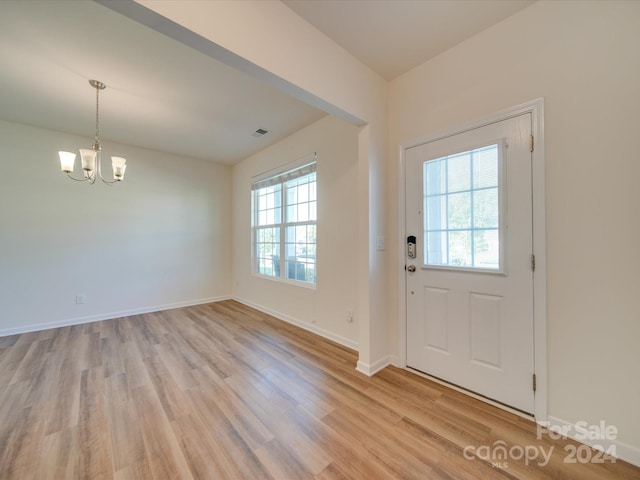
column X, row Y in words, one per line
column 285, row 222
column 462, row 210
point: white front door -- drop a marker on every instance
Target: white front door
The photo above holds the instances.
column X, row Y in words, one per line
column 469, row 280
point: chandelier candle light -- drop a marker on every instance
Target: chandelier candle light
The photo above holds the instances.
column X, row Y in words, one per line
column 91, row 157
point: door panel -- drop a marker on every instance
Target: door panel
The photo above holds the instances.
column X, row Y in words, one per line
column 470, row 298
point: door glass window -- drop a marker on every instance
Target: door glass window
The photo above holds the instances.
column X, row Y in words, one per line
column 462, row 210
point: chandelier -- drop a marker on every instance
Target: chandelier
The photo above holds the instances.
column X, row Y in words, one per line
column 91, row 157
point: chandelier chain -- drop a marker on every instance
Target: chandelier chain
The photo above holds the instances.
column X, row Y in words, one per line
column 97, row 115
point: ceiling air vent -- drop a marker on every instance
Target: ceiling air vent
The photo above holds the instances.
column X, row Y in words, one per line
column 259, row 133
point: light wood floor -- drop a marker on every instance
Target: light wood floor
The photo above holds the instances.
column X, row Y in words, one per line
column 222, row 391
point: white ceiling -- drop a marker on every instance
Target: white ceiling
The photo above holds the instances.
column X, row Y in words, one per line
column 166, row 96
column 394, row 36
column 160, row 93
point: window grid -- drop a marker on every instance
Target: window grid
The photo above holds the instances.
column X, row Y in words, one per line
column 285, row 228
column 478, row 229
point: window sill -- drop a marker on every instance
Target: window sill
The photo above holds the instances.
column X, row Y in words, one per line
column 286, row 281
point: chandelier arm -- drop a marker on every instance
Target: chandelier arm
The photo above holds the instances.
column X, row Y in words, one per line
column 106, row 182
column 83, row 179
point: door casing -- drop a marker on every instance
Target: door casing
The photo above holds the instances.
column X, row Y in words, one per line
column 536, row 108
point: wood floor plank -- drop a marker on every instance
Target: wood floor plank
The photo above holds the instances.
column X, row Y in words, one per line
column 204, row 457
column 280, row 462
column 26, row 437
column 396, row 453
column 229, row 450
column 93, row 426
column 162, row 451
column 223, row 391
column 243, row 420
column 126, row 438
column 55, row 458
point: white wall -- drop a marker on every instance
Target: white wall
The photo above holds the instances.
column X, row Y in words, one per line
column 269, row 41
column 158, row 239
column 324, row 308
column 583, row 58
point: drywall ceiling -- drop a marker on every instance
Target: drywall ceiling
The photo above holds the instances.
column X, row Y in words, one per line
column 164, row 95
column 394, row 36
column 160, row 93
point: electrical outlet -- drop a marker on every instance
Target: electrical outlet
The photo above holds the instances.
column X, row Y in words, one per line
column 349, row 316
column 81, row 299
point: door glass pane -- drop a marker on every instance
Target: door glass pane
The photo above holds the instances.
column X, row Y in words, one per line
column 462, row 209
column 485, row 167
column 459, row 210
column 435, row 177
column 436, row 212
column 486, row 246
column 458, row 172
column 485, row 208
column 460, row 249
column 436, row 248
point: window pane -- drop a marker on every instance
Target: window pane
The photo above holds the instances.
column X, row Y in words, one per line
column 313, row 214
column 485, row 208
column 436, row 248
column 435, row 178
column 486, row 249
column 303, row 193
column 460, row 249
column 303, row 212
column 459, row 173
column 292, row 196
column 485, row 167
column 301, row 252
column 268, row 251
column 436, row 212
column 267, row 205
column 462, row 209
column 292, row 213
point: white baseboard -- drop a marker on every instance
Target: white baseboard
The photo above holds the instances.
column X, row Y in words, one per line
column 576, row 432
column 107, row 316
column 371, row 369
column 299, row 323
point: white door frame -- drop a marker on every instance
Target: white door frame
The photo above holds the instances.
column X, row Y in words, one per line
column 536, row 108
